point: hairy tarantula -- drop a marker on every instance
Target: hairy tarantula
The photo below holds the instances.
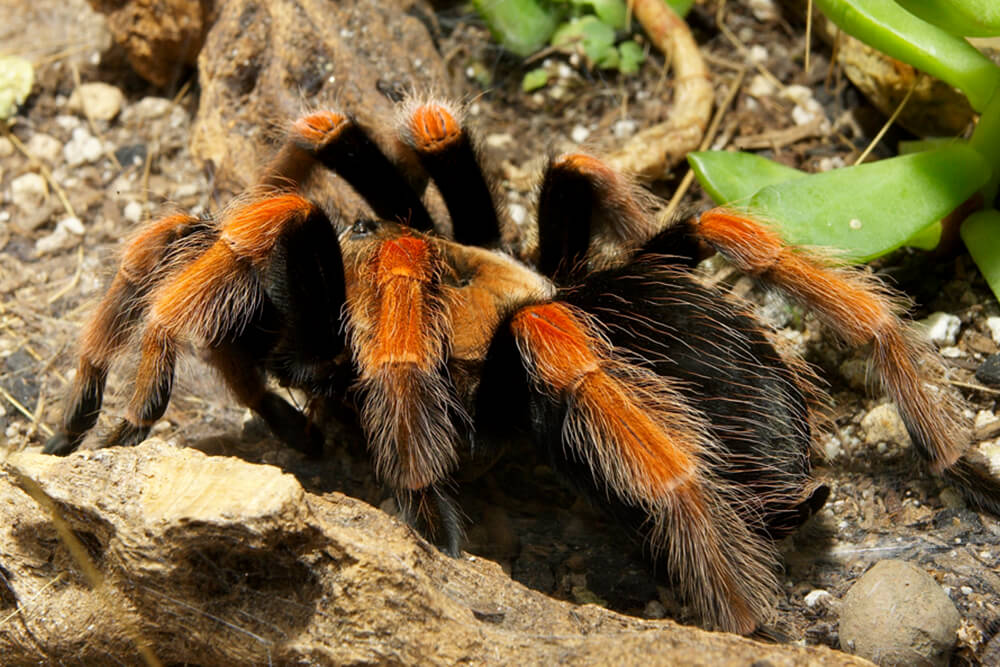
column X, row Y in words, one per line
column 660, row 396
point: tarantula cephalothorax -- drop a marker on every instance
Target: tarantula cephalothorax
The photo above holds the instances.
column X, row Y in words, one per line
column 660, row 396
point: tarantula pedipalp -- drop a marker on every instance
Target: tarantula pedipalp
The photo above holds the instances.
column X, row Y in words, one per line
column 659, row 396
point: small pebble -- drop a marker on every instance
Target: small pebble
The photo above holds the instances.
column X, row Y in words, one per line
column 989, row 371
column 29, row 191
column 133, row 212
column 817, row 597
column 83, row 148
column 45, row 147
column 984, row 418
column 883, row 424
column 942, row 328
column 101, row 101
column 624, row 128
column 758, row 54
column 6, row 147
column 579, row 134
column 993, row 324
column 897, row 614
column 764, row 10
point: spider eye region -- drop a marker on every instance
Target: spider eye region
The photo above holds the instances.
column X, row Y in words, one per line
column 363, row 227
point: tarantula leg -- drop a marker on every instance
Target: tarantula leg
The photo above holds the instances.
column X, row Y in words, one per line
column 211, row 300
column 585, row 206
column 110, row 327
column 430, row 509
column 341, row 145
column 249, row 385
column 640, row 442
column 399, row 332
column 860, row 311
column 154, row 382
column 434, row 131
column 304, row 280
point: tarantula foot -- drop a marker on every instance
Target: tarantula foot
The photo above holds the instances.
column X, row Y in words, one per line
column 126, row 434
column 433, row 513
column 62, row 443
column 291, row 426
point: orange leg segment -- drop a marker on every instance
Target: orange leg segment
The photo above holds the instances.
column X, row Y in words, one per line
column 643, row 442
column 860, row 311
column 399, row 334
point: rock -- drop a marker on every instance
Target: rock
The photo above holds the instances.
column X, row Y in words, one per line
column 883, row 424
column 989, row 371
column 212, row 560
column 29, row 191
column 942, row 328
column 160, row 37
column 993, row 324
column 262, row 60
column 45, row 147
column 897, row 614
column 98, row 100
column 66, row 235
column 83, row 148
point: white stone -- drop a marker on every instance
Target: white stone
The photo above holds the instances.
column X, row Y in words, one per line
column 133, row 212
column 760, row 86
column 6, row 147
column 72, row 225
column 758, row 54
column 83, row 148
column 499, row 139
column 764, row 10
column 817, row 596
column 942, row 328
column 985, row 418
column 993, row 324
column 45, row 147
column 883, row 424
column 29, row 191
column 101, row 101
column 579, row 134
column 624, row 128
column 59, row 239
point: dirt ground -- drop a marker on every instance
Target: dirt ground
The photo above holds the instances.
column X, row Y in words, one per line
column 57, row 258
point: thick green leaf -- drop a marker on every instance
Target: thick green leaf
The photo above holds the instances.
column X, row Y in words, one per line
column 535, row 79
column 981, row 233
column 870, row 209
column 596, row 38
column 611, row 12
column 971, row 18
column 891, row 29
column 732, row 178
column 681, row 7
column 631, row 56
column 521, row 26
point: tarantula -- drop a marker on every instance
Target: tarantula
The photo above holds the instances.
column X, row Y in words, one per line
column 661, row 397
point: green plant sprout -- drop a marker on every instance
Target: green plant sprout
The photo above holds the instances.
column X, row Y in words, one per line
column 594, row 26
column 868, row 210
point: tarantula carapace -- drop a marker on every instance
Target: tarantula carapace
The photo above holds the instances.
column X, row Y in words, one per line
column 661, row 397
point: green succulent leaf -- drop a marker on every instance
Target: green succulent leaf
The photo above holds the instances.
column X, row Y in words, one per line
column 534, row 79
column 596, row 38
column 893, row 30
column 868, row 210
column 631, row 56
column 732, row 178
column 521, row 26
column 971, row 18
column 612, row 12
column 981, row 234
